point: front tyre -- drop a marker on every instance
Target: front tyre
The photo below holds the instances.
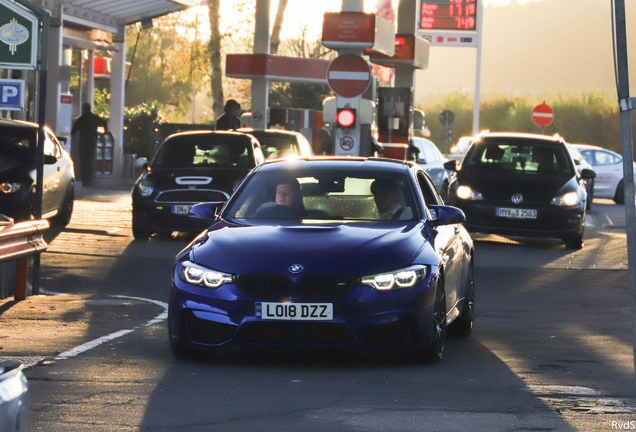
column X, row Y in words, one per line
column 435, row 353
column 139, row 233
column 63, row 218
column 619, row 198
column 576, row 241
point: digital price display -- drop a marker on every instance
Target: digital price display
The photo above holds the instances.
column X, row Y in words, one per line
column 448, row 15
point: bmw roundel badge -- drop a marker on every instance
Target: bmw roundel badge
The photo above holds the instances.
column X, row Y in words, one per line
column 296, row 268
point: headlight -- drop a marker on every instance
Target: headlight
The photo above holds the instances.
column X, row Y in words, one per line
column 10, row 188
column 568, row 199
column 145, row 187
column 195, row 274
column 404, row 278
column 464, row 192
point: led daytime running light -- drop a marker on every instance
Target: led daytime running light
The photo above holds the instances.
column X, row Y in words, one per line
column 197, row 275
column 405, row 278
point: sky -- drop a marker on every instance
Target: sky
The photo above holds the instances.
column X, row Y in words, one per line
column 310, row 12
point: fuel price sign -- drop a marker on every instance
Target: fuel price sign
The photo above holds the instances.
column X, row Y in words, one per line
column 448, row 15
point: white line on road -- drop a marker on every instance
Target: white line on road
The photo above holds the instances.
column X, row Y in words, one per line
column 96, row 342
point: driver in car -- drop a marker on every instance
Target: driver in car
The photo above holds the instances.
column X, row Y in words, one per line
column 287, row 203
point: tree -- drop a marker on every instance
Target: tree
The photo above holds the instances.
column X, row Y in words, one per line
column 278, row 25
column 214, row 50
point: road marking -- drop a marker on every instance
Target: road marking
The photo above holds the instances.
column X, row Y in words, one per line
column 96, row 342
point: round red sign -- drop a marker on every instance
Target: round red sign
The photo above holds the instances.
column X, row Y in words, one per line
column 542, row 115
column 349, row 75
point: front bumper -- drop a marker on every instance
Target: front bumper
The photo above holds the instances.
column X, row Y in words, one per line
column 204, row 318
column 551, row 221
column 160, row 217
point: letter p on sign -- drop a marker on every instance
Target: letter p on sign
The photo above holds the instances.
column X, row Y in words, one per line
column 11, row 94
column 8, row 92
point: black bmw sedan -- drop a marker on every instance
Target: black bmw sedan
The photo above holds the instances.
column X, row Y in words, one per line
column 522, row 184
column 190, row 168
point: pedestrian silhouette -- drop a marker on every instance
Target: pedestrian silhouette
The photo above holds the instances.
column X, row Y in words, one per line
column 87, row 126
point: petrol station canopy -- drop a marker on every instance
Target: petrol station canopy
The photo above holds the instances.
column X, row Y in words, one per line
column 112, row 15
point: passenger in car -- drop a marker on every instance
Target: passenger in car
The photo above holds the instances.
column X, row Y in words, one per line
column 386, row 195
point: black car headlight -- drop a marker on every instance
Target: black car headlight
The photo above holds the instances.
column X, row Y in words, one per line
column 466, row 193
column 145, row 187
column 569, row 199
column 195, row 274
column 10, row 188
column 404, row 278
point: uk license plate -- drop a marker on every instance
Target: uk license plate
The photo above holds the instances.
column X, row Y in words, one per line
column 181, row 209
column 295, row 311
column 516, row 213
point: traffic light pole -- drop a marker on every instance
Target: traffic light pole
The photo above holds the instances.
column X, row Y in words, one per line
column 626, row 104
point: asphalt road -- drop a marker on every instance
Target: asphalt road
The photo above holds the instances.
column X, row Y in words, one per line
column 551, row 348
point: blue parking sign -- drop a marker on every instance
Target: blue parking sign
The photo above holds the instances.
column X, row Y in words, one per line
column 11, row 95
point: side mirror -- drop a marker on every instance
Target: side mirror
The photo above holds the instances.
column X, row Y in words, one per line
column 451, row 165
column 141, row 163
column 205, row 211
column 447, row 215
column 421, row 161
column 50, row 160
column 587, row 173
column 577, row 162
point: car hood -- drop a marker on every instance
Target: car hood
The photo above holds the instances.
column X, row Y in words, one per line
column 354, row 249
column 502, row 185
column 224, row 179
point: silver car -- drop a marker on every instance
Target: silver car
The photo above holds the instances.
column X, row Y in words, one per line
column 14, row 398
column 432, row 161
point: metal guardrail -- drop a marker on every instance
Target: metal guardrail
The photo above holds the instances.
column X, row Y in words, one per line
column 18, row 242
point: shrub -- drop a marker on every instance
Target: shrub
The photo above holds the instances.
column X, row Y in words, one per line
column 590, row 118
column 141, row 129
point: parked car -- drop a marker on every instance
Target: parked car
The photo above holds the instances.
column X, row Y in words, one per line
column 189, row 168
column 277, row 143
column 609, row 167
column 432, row 160
column 580, row 164
column 14, row 398
column 18, row 142
column 522, row 184
column 328, row 272
column 458, row 151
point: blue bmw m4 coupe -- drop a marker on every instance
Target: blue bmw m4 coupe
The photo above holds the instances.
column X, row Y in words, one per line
column 326, row 252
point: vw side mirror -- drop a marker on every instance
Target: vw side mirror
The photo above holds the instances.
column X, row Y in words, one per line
column 451, row 165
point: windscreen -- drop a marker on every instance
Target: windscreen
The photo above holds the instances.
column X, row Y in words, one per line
column 17, row 147
column 200, row 151
column 520, row 156
column 324, row 196
column 277, row 145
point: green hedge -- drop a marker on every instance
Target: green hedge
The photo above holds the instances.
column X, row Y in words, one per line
column 591, row 118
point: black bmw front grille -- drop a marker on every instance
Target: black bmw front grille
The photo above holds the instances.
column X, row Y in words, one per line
column 295, row 333
column 324, row 286
column 265, row 286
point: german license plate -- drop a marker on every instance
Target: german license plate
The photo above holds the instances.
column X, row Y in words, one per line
column 181, row 209
column 516, row 213
column 295, row 311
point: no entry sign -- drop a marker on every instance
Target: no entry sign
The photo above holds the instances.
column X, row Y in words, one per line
column 349, row 75
column 542, row 115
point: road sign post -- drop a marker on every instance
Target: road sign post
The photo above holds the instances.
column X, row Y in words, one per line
column 626, row 104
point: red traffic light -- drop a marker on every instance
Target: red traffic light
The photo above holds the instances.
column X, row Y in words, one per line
column 346, row 117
